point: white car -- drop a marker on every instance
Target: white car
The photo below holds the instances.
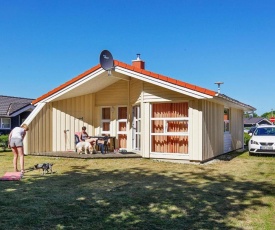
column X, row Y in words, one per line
column 262, row 140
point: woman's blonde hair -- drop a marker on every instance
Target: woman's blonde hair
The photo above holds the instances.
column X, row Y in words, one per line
column 24, row 126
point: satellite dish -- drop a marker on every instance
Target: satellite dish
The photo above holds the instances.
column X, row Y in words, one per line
column 106, row 60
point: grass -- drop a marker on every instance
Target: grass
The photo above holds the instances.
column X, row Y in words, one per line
column 140, row 194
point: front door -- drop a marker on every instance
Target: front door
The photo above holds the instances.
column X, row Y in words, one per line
column 122, row 127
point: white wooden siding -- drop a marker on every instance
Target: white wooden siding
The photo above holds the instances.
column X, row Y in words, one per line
column 47, row 128
column 205, row 125
column 194, row 128
column 136, row 90
column 236, row 125
column 227, row 142
column 145, row 130
column 153, row 93
column 71, row 114
column 39, row 136
column 212, row 129
column 114, row 94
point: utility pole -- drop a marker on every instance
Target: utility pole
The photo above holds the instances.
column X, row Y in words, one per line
column 272, row 118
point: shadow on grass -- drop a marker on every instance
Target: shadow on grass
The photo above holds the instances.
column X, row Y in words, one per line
column 266, row 155
column 128, row 199
column 5, row 150
column 229, row 156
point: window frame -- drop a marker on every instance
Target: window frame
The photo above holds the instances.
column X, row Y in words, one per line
column 168, row 134
column 136, row 127
column 2, row 123
column 121, row 120
column 105, row 121
column 165, row 126
column 226, row 122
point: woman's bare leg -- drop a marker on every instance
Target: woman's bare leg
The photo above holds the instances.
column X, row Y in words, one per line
column 15, row 157
column 21, row 156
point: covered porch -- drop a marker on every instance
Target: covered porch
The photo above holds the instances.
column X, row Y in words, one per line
column 71, row 154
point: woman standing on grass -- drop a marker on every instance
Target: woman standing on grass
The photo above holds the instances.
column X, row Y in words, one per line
column 16, row 138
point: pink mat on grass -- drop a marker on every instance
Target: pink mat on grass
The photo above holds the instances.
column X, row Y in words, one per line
column 11, row 176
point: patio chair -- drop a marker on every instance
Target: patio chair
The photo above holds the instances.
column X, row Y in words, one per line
column 76, row 139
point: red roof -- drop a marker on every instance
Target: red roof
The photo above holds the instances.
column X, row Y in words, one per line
column 135, row 69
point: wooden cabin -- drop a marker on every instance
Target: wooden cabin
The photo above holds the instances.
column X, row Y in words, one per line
column 147, row 113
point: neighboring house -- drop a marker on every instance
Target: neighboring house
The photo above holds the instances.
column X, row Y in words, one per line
column 253, row 121
column 150, row 114
column 13, row 112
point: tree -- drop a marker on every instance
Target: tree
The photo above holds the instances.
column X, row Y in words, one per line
column 249, row 114
column 267, row 115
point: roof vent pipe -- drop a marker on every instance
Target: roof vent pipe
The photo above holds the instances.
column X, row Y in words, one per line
column 219, row 86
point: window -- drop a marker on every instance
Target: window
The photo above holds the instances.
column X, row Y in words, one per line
column 5, row 123
column 226, row 120
column 105, row 120
column 122, row 127
column 169, row 128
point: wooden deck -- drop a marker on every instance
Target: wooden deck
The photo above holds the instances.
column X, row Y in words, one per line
column 71, row 154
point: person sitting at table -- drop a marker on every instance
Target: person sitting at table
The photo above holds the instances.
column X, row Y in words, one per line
column 84, row 135
column 100, row 144
column 103, row 143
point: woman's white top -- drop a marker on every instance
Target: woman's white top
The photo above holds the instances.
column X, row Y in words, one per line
column 17, row 132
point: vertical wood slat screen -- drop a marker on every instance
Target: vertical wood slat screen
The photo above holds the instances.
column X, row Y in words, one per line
column 169, row 143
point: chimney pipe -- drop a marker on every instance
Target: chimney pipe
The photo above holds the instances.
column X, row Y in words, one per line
column 138, row 63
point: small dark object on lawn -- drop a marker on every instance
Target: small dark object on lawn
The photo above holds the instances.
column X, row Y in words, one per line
column 46, row 167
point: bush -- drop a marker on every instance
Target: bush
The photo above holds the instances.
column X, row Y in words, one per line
column 4, row 140
column 246, row 138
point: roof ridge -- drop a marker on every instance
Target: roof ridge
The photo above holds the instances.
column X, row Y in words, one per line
column 166, row 78
column 234, row 100
column 132, row 68
column 16, row 97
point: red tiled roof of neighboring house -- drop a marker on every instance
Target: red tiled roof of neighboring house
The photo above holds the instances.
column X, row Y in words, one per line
column 135, row 69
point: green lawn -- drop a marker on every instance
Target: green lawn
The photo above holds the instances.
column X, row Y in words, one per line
column 140, row 194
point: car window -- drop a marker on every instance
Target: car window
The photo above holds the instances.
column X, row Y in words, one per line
column 266, row 131
column 251, row 130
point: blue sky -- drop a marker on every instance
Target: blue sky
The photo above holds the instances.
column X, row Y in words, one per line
column 44, row 43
